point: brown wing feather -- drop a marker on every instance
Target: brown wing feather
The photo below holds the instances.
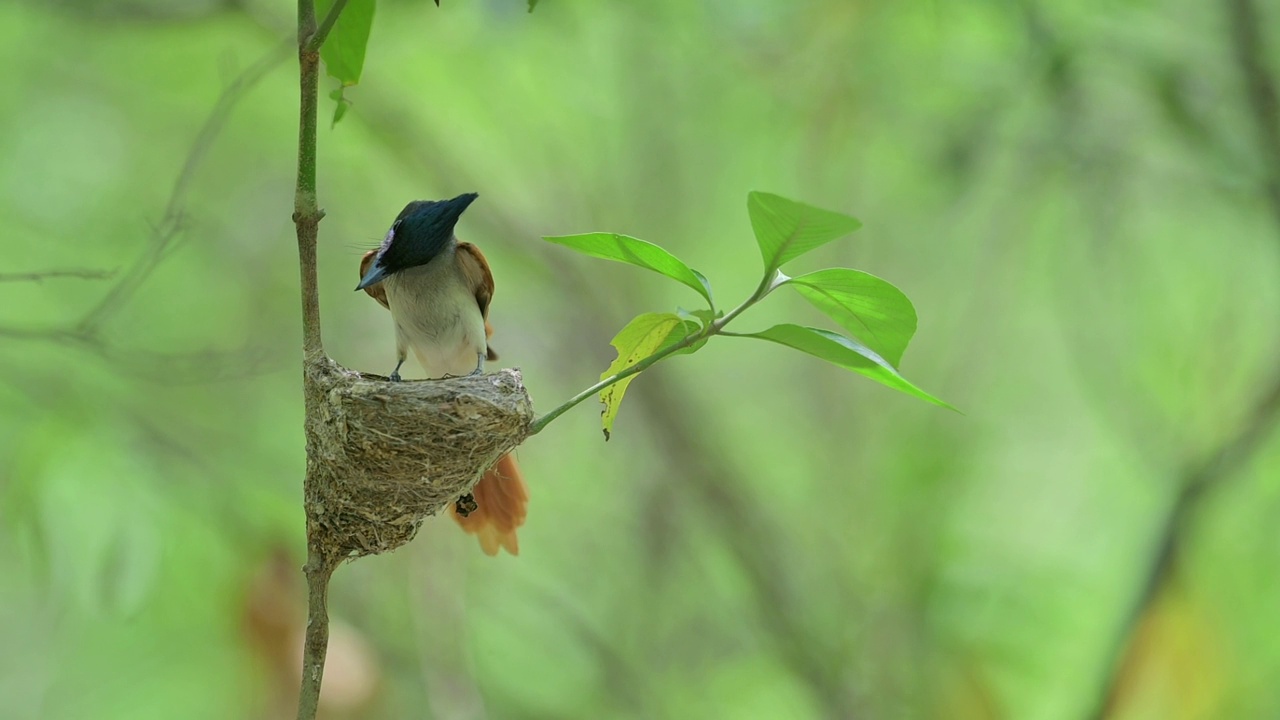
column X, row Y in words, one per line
column 376, row 291
column 476, row 269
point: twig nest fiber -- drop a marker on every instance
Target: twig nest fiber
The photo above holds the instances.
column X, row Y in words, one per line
column 384, row 455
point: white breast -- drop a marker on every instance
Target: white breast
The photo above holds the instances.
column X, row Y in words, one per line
column 437, row 317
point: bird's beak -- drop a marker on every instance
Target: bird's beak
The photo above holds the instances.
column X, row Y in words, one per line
column 375, row 275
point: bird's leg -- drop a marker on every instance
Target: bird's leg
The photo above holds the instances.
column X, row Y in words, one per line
column 479, row 364
column 402, row 352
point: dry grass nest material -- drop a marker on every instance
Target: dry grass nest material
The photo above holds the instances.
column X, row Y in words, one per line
column 382, row 456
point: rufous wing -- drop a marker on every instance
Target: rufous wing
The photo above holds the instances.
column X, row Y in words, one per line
column 476, row 269
column 376, row 291
column 502, row 501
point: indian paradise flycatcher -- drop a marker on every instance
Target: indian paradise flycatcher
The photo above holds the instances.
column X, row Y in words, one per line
column 438, row 291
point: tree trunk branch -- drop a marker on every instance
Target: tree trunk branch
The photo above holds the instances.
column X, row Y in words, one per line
column 306, row 219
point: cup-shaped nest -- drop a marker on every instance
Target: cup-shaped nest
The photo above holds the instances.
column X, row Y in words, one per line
column 383, row 455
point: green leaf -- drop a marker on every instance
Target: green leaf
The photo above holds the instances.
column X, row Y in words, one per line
column 532, row 4
column 845, row 352
column 642, row 337
column 343, row 50
column 786, row 229
column 623, row 248
column 871, row 309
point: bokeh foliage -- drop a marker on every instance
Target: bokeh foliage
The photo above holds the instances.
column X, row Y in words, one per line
column 1072, row 194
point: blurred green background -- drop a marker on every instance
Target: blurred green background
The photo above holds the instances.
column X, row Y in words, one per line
column 1081, row 198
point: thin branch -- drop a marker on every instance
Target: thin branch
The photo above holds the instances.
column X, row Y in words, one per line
column 54, row 274
column 306, row 211
column 319, row 569
column 306, row 218
column 317, row 39
column 171, row 224
column 714, row 328
column 85, row 332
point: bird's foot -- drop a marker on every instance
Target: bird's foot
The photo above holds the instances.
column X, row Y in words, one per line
column 394, row 376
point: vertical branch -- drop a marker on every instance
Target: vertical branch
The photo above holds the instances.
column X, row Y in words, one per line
column 319, row 569
column 306, row 219
column 306, row 211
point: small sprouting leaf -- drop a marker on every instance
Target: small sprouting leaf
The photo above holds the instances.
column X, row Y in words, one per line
column 623, row 248
column 341, row 108
column 846, row 353
column 871, row 309
column 786, row 229
column 642, row 337
column 702, row 317
column 343, row 50
column 532, row 4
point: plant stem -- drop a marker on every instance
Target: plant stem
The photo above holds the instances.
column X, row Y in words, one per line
column 319, row 569
column 317, row 38
column 306, row 213
column 767, row 284
column 306, row 219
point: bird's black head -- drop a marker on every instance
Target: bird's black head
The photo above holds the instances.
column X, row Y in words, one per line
column 422, row 231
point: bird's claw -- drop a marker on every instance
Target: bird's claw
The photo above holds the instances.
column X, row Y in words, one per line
column 394, row 376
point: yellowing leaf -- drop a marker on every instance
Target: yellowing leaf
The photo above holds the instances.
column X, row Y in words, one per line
column 642, row 337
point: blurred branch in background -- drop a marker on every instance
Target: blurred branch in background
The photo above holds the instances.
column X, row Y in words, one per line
column 87, row 332
column 1260, row 84
column 165, row 233
column 1231, row 456
column 57, row 274
column 758, row 546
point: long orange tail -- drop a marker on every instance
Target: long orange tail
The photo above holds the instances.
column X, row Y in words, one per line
column 501, row 499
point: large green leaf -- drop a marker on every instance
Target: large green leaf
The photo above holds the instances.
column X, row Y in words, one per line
column 642, row 337
column 623, row 248
column 871, row 309
column 786, row 229
column 846, row 353
column 343, row 51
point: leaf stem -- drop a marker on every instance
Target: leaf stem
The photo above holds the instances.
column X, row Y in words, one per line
column 770, row 281
column 317, row 38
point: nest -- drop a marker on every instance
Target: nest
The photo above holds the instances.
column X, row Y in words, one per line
column 382, row 456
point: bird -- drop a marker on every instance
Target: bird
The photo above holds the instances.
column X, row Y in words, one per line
column 438, row 291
